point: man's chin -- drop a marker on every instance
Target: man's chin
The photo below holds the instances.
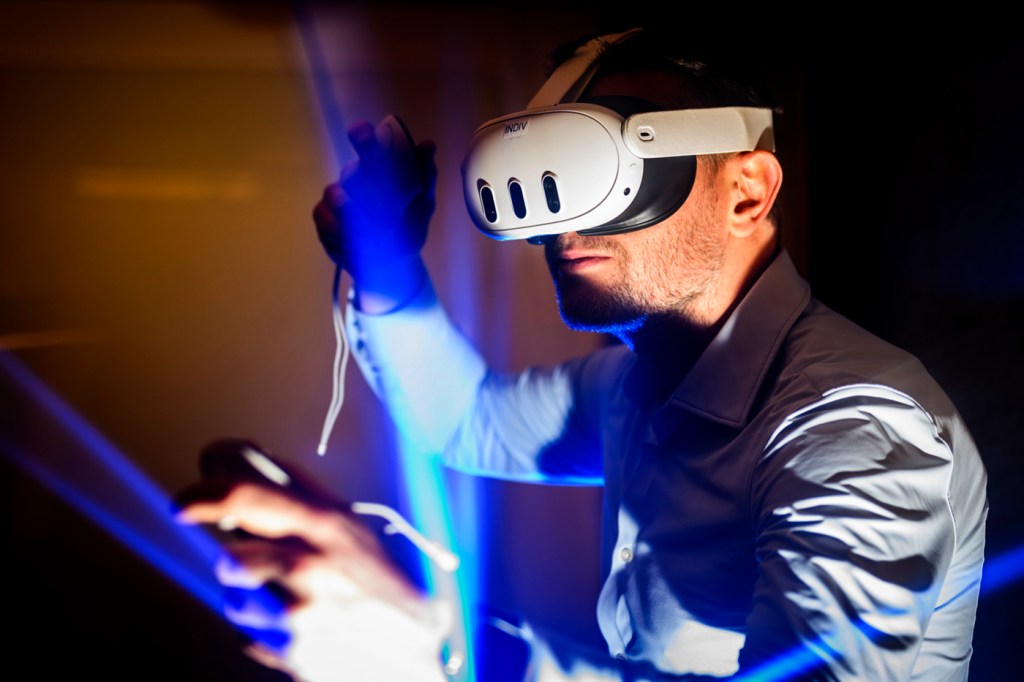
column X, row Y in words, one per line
column 597, row 313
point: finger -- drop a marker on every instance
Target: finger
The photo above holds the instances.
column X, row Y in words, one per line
column 364, row 140
column 264, row 608
column 266, row 656
column 265, row 511
column 253, row 507
column 251, row 563
column 324, row 216
column 334, row 193
column 200, row 501
column 304, row 572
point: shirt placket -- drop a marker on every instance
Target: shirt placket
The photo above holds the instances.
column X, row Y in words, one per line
column 637, row 474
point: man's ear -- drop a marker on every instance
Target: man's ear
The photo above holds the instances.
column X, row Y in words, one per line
column 758, row 177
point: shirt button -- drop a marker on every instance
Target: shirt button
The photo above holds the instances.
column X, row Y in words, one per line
column 626, row 554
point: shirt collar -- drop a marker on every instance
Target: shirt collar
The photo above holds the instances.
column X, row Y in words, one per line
column 724, row 382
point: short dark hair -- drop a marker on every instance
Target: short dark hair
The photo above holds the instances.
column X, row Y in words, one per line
column 699, row 73
column 708, row 75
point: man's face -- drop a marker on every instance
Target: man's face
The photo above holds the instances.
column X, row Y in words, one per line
column 614, row 283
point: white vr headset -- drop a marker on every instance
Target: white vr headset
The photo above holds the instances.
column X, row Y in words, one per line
column 567, row 166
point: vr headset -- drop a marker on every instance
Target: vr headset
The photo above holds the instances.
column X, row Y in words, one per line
column 595, row 167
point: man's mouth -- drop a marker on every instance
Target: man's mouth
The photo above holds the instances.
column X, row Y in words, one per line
column 579, row 264
column 574, row 260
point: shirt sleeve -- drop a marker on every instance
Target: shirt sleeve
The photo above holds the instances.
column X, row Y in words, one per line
column 536, row 425
column 854, row 536
column 418, row 365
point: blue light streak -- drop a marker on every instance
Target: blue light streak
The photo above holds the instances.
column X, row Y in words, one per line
column 158, row 556
column 420, row 472
column 73, row 459
column 425, row 489
column 1002, row 570
column 785, row 667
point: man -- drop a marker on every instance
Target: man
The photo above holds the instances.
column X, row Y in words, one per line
column 781, row 487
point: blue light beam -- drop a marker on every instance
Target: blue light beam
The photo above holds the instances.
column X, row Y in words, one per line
column 45, row 437
column 421, row 473
column 1002, row 570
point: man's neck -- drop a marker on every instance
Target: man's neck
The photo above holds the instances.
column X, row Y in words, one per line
column 668, row 345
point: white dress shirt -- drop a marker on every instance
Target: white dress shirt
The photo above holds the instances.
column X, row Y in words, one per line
column 807, row 489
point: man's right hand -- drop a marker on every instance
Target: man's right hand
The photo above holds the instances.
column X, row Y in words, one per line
column 307, row 580
column 373, row 221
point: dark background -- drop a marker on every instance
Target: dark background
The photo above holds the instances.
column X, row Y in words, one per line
column 904, row 163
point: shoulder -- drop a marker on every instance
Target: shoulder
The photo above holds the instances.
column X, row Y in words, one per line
column 825, row 351
column 837, row 388
column 841, row 399
column 831, row 351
